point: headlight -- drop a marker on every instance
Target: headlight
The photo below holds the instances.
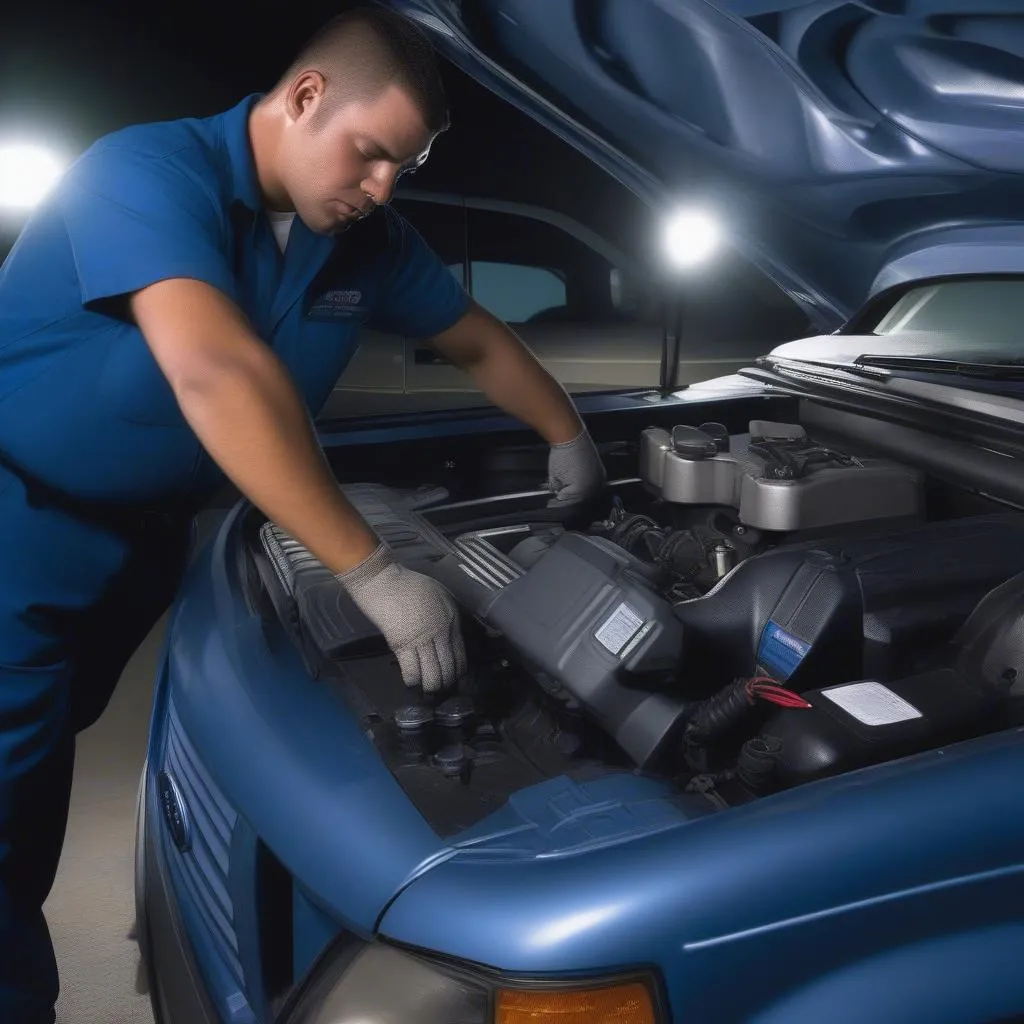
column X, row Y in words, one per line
column 384, row 985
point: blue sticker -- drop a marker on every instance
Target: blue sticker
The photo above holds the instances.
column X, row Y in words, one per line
column 781, row 652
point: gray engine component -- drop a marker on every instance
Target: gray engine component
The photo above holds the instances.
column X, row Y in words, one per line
column 778, row 479
column 578, row 609
column 584, row 617
column 328, row 614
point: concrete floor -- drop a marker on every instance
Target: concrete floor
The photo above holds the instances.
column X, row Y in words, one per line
column 91, row 910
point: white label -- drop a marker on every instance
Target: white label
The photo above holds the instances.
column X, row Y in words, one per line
column 872, row 703
column 619, row 629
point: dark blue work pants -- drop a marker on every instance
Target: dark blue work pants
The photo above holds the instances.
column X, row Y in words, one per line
column 79, row 591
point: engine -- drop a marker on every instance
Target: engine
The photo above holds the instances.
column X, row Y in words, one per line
column 752, row 610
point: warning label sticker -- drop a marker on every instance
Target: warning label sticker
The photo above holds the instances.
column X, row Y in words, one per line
column 872, row 703
column 781, row 652
column 619, row 628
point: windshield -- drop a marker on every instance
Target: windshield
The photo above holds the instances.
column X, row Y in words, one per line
column 981, row 317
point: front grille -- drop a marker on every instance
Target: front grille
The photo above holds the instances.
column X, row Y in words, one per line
column 202, row 872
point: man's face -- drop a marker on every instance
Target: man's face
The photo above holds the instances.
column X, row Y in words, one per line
column 330, row 168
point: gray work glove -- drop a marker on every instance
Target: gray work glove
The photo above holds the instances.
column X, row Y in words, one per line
column 575, row 471
column 418, row 617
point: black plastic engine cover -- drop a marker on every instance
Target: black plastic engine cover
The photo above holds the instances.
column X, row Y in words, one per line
column 990, row 646
column 585, row 617
column 978, row 686
column 863, row 723
column 870, row 606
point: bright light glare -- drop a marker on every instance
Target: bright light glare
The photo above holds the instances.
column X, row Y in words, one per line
column 691, row 238
column 27, row 173
column 560, row 929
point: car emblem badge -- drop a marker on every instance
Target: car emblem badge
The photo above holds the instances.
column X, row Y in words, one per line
column 175, row 813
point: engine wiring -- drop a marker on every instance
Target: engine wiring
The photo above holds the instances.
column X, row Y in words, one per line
column 718, row 714
column 770, row 690
column 681, row 559
column 715, row 717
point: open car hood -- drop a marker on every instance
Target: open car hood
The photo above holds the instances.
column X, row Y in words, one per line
column 849, row 146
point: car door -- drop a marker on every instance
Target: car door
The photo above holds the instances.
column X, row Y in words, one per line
column 583, row 306
column 561, row 287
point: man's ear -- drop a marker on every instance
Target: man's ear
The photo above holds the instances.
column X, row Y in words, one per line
column 305, row 95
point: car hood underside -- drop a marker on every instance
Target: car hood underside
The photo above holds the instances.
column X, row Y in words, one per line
column 833, row 136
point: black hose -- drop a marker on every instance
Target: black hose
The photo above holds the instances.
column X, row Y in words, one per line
column 684, row 554
column 719, row 714
column 632, row 529
column 757, row 763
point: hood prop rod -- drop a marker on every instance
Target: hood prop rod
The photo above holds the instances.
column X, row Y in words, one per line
column 671, row 343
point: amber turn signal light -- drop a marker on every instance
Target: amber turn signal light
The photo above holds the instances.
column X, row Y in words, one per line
column 615, row 1004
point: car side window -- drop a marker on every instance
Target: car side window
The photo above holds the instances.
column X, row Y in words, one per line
column 443, row 227
column 527, row 271
column 515, row 292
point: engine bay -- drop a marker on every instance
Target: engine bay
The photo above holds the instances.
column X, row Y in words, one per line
column 749, row 613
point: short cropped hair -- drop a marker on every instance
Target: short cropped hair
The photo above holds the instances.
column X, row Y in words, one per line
column 363, row 51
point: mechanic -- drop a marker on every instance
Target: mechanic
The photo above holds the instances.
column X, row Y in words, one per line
column 184, row 300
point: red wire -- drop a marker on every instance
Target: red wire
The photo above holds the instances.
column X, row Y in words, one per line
column 765, row 688
column 769, row 690
column 774, row 698
column 786, row 695
column 775, row 694
column 782, row 702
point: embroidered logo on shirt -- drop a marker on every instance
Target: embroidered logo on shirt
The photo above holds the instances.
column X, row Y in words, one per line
column 337, row 303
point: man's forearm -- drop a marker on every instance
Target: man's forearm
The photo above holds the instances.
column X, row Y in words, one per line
column 511, row 377
column 251, row 420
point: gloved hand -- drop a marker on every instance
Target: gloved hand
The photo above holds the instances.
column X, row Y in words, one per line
column 575, row 471
column 418, row 617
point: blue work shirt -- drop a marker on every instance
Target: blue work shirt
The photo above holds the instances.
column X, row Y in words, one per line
column 84, row 407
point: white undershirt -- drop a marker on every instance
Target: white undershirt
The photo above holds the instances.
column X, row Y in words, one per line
column 281, row 225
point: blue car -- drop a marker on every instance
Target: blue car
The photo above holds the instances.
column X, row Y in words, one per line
column 740, row 742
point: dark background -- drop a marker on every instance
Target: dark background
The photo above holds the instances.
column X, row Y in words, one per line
column 73, row 73
column 70, row 73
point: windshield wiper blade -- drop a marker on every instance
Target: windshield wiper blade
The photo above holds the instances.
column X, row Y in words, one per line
column 796, row 363
column 954, row 367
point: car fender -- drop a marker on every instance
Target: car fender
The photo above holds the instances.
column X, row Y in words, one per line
column 969, row 977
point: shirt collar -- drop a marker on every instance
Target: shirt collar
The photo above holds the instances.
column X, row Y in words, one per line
column 245, row 186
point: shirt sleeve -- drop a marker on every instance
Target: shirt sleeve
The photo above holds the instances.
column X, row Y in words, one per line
column 421, row 296
column 134, row 219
